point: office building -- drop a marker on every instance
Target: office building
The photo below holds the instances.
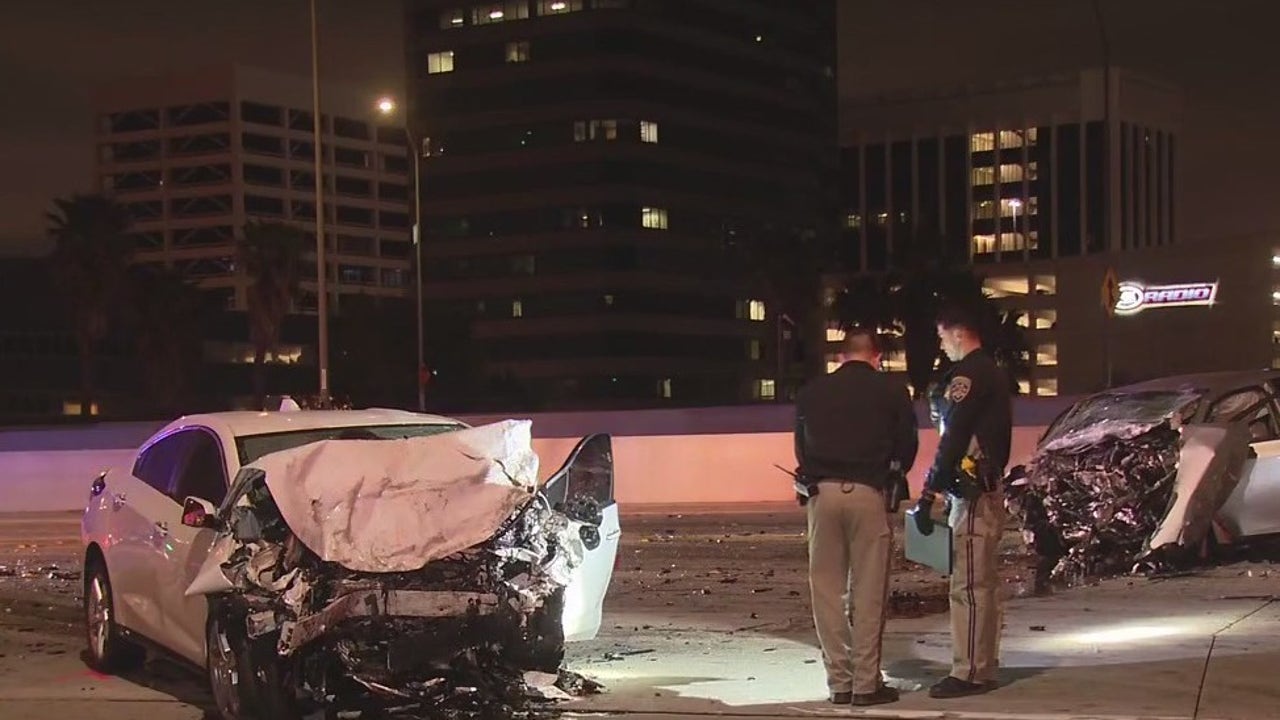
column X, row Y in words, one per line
column 196, row 155
column 1022, row 180
column 592, row 167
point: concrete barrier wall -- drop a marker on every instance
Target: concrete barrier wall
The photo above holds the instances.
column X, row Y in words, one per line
column 713, row 455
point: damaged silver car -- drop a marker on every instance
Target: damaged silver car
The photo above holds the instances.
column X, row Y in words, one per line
column 1153, row 477
column 357, row 562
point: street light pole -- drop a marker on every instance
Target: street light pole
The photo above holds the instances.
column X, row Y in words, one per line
column 387, row 106
column 415, row 153
column 322, row 271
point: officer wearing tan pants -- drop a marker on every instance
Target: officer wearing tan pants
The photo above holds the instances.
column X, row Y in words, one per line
column 852, row 427
column 976, row 427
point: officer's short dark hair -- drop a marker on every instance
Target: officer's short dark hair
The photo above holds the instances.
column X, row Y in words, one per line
column 862, row 341
column 955, row 315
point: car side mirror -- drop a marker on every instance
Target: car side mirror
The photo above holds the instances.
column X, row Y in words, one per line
column 199, row 513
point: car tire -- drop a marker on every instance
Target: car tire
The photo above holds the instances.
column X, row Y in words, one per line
column 229, row 670
column 108, row 650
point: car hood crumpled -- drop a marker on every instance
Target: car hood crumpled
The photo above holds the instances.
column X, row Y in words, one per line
column 388, row 506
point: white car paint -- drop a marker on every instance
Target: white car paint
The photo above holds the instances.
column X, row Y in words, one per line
column 152, row 558
column 1254, row 505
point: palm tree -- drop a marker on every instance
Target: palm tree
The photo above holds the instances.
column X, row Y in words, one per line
column 167, row 313
column 90, row 254
column 270, row 254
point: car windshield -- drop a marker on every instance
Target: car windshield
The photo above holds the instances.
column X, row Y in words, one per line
column 251, row 447
column 1116, row 414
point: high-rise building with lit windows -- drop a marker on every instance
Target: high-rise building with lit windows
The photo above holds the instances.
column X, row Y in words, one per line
column 1020, row 179
column 586, row 164
column 195, row 155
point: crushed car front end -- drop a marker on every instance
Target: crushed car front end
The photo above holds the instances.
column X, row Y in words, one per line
column 372, row 591
column 1126, row 481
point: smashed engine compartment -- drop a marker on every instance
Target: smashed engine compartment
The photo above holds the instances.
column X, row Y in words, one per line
column 474, row 631
column 1125, row 486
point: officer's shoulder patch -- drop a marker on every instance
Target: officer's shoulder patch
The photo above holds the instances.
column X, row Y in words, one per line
column 958, row 389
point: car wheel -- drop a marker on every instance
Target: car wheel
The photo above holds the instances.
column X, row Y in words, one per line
column 108, row 651
column 226, row 662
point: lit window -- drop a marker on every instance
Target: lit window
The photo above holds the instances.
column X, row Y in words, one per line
column 1046, row 285
column 440, row 62
column 648, row 131
column 666, row 387
column 1046, row 319
column 1012, row 173
column 1008, row 242
column 835, row 334
column 1001, row 287
column 1024, row 387
column 894, row 361
column 72, row 407
column 984, row 210
column 756, row 310
column 980, row 142
column 1015, row 206
column 606, row 129
column 653, row 218
column 1047, row 387
column 852, row 221
column 1275, row 260
column 499, row 12
column 518, row 51
column 882, row 218
column 1024, row 320
column 982, row 176
column 1017, row 138
column 1047, row 355
column 451, row 19
column 832, row 366
column 766, row 389
column 555, row 7
column 517, row 308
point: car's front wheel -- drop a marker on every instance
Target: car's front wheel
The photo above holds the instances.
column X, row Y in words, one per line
column 229, row 676
column 108, row 651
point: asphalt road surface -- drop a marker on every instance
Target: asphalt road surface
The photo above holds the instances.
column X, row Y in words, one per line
column 707, row 614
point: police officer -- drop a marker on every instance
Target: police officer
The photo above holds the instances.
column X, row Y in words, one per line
column 976, row 431
column 852, row 427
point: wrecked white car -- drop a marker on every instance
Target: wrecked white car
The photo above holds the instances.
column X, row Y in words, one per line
column 359, row 560
column 1152, row 477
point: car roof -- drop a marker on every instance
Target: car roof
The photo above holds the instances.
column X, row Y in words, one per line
column 247, row 423
column 1212, row 383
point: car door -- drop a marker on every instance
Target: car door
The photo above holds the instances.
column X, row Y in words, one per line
column 580, row 488
column 135, row 503
column 179, row 550
column 1253, row 507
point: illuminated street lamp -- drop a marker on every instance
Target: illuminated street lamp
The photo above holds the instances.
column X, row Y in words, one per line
column 1015, row 204
column 387, row 106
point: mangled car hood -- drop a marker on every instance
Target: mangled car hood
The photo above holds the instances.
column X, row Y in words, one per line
column 396, row 505
column 1122, row 483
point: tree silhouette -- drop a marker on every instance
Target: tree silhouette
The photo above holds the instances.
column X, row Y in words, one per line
column 167, row 313
column 90, row 255
column 270, row 254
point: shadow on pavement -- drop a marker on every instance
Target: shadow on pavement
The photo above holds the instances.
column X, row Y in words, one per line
column 167, row 677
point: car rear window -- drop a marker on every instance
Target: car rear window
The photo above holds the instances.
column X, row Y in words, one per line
column 251, row 447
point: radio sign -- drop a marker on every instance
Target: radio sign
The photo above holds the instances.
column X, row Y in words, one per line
column 1136, row 297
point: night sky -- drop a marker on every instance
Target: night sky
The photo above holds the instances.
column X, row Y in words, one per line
column 1221, row 52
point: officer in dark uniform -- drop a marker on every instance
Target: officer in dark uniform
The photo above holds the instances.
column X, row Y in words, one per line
column 855, row 436
column 976, row 427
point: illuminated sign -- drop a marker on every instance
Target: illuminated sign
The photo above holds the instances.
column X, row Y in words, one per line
column 1136, row 297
